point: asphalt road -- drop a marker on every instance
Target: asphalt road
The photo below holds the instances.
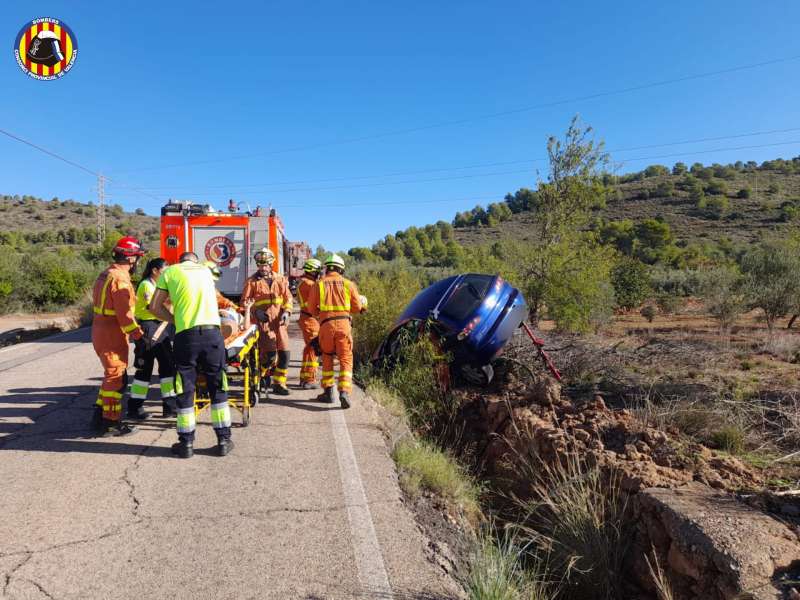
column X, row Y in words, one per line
column 306, row 506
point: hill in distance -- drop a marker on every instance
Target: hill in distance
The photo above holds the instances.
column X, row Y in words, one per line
column 57, row 222
column 741, row 205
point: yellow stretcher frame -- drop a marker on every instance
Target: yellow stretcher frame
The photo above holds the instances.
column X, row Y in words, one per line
column 244, row 365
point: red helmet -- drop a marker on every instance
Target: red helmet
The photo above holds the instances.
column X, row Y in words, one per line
column 129, row 246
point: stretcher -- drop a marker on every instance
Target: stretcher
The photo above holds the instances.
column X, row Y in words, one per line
column 243, row 373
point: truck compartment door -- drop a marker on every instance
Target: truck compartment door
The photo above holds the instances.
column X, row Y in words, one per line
column 226, row 247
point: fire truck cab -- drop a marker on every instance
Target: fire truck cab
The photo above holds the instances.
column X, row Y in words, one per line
column 229, row 239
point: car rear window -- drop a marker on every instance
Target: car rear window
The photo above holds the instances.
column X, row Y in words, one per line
column 467, row 297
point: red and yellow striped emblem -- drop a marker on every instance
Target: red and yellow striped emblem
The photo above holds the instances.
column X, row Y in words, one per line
column 46, row 48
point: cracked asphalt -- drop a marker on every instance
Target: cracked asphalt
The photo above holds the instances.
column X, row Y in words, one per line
column 307, row 506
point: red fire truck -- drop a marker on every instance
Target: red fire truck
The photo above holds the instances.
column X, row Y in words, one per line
column 230, row 239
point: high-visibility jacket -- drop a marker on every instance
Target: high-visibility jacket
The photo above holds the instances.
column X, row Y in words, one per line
column 270, row 293
column 304, row 288
column 334, row 297
column 113, row 298
column 144, row 293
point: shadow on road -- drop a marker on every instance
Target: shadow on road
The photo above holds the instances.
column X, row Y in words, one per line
column 57, row 420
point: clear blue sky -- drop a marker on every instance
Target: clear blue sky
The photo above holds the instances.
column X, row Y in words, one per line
column 158, row 84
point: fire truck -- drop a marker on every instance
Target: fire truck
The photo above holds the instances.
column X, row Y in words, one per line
column 229, row 239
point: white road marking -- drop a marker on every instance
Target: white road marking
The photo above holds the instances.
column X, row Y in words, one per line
column 369, row 560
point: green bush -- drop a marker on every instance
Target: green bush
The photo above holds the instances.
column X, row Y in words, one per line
column 730, row 438
column 744, row 193
column 577, row 292
column 648, row 312
column 631, row 281
column 715, row 188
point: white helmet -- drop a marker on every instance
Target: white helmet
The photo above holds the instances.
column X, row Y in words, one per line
column 334, row 260
column 265, row 256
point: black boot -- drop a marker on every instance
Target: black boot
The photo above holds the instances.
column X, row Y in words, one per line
column 280, row 390
column 96, row 422
column 183, row 449
column 326, row 396
column 344, row 399
column 138, row 414
column 117, row 429
column 224, row 446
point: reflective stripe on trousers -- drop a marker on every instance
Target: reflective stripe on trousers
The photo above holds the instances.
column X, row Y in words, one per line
column 139, row 389
column 220, row 415
column 186, row 420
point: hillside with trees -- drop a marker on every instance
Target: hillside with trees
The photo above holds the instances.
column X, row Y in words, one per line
column 49, row 254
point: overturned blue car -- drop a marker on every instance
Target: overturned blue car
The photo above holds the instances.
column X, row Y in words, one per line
column 471, row 316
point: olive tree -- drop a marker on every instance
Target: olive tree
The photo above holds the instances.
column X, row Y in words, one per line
column 772, row 279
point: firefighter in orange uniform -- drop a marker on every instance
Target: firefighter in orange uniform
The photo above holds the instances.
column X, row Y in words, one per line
column 272, row 307
column 114, row 302
column 308, row 324
column 332, row 301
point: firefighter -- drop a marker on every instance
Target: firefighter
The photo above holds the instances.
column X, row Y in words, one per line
column 308, row 324
column 113, row 304
column 271, row 309
column 332, row 301
column 198, row 347
column 160, row 350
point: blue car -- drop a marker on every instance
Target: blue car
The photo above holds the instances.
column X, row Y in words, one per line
column 472, row 316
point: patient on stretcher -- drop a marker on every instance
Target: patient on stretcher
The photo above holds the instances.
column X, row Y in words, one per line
column 236, row 330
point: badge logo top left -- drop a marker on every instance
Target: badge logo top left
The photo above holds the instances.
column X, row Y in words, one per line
column 46, row 48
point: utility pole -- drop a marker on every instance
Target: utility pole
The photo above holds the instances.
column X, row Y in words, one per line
column 101, row 208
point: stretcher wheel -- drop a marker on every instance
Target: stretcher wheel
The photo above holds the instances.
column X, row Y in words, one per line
column 245, row 416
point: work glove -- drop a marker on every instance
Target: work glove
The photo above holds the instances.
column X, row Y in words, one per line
column 364, row 303
column 314, row 343
column 285, row 318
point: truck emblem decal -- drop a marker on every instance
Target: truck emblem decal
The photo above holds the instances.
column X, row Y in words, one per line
column 221, row 250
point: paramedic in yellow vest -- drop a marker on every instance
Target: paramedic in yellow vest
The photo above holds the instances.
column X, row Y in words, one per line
column 159, row 350
column 198, row 347
column 113, row 305
column 308, row 324
column 332, row 301
column 271, row 310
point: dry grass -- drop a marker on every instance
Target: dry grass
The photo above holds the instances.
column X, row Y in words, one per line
column 498, row 570
column 660, row 580
column 423, row 466
column 576, row 518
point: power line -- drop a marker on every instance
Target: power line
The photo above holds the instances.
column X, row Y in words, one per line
column 75, row 164
column 477, row 175
column 48, row 152
column 494, row 115
column 474, row 166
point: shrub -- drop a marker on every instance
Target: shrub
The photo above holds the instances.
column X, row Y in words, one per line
column 773, row 188
column 578, row 291
column 771, row 280
column 648, row 312
column 631, row 281
column 715, row 188
column 716, row 206
column 667, row 303
column 665, row 189
column 724, row 294
column 388, row 292
column 730, row 438
column 744, row 193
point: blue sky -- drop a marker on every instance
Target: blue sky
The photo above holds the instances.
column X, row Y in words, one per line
column 262, row 101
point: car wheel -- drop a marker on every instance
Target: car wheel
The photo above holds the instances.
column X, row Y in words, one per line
column 477, row 375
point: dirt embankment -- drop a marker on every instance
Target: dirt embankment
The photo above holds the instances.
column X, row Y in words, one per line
column 705, row 516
